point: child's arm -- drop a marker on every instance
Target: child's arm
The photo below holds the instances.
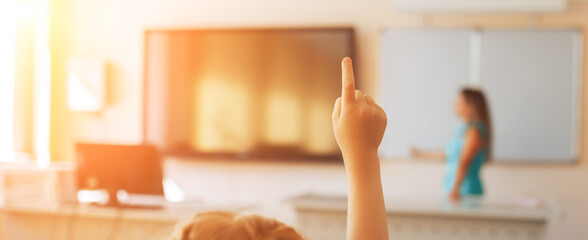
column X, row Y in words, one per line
column 359, row 125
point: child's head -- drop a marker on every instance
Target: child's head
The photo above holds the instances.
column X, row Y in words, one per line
column 229, row 226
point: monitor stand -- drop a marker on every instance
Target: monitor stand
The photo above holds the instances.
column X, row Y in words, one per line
column 113, row 202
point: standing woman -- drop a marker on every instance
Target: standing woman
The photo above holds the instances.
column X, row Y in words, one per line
column 469, row 149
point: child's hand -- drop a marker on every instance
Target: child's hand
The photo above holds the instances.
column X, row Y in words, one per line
column 358, row 122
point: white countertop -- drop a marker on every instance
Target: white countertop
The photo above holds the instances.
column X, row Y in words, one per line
column 474, row 209
column 168, row 213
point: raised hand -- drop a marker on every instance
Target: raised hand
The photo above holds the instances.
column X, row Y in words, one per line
column 358, row 122
column 359, row 126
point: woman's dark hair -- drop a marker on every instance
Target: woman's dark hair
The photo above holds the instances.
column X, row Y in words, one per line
column 477, row 100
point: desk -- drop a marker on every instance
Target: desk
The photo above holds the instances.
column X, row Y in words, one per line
column 76, row 222
column 324, row 218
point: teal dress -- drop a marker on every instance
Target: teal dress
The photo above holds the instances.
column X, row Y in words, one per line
column 471, row 185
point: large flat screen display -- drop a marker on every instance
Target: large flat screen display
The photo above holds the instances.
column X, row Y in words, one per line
column 244, row 93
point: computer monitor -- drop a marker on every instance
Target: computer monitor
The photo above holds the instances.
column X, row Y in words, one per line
column 135, row 169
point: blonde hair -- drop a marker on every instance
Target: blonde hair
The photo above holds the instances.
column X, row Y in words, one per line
column 226, row 225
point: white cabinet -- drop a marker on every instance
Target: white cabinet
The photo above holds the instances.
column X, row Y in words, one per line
column 97, row 224
column 327, row 225
column 32, row 227
column 315, row 225
column 163, row 231
column 94, row 228
column 132, row 229
column 324, row 218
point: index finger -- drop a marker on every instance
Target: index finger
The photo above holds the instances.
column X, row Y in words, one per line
column 348, row 81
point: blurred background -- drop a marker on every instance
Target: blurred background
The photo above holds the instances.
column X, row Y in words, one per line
column 120, row 118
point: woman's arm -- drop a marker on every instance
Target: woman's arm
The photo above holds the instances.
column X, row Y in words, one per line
column 359, row 124
column 472, row 144
column 430, row 154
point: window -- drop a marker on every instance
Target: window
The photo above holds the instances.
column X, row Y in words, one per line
column 7, row 77
column 24, row 80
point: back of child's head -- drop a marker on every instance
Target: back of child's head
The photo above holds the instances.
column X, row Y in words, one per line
column 230, row 226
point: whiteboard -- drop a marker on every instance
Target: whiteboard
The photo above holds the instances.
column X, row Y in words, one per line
column 418, row 86
column 531, row 78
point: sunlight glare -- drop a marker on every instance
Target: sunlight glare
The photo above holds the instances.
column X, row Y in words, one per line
column 7, row 75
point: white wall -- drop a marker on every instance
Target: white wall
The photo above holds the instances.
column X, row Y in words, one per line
column 113, row 30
